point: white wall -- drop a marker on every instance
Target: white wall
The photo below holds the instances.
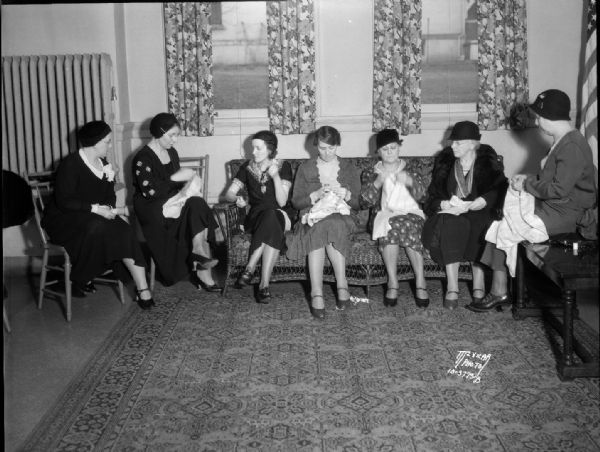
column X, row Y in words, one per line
column 132, row 33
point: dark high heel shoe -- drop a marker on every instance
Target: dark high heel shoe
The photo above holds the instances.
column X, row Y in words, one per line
column 421, row 302
column 144, row 304
column 263, row 295
column 387, row 301
column 243, row 280
column 207, row 287
column 342, row 303
column 317, row 313
column 199, row 262
column 449, row 303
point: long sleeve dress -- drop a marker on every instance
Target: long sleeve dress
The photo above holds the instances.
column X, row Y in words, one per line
column 406, row 228
column 266, row 220
column 93, row 242
column 461, row 238
column 169, row 239
column 334, row 229
column 565, row 188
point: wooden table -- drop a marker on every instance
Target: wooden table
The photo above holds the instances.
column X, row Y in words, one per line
column 570, row 272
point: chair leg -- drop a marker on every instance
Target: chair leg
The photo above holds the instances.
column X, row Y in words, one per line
column 68, row 285
column 121, row 294
column 152, row 274
column 5, row 318
column 43, row 277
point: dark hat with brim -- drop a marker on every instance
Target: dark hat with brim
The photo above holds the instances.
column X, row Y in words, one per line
column 387, row 136
column 552, row 104
column 465, row 130
column 92, row 132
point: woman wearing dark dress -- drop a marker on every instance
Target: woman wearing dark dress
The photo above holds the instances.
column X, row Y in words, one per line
column 466, row 194
column 267, row 182
column 82, row 216
column 325, row 180
column 179, row 245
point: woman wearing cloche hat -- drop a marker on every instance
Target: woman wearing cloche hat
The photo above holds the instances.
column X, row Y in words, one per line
column 396, row 191
column 564, row 189
column 465, row 195
column 83, row 217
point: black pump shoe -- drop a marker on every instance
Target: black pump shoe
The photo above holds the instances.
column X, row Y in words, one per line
column 387, row 301
column 263, row 295
column 144, row 304
column 317, row 313
column 341, row 304
column 207, row 287
column 421, row 302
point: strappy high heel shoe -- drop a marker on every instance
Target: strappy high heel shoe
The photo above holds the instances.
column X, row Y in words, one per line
column 199, row 262
column 317, row 313
column 144, row 304
column 342, row 303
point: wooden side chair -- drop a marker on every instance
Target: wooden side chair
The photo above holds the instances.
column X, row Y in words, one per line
column 42, row 186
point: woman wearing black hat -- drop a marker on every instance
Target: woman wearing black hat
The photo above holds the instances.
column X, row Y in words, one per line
column 466, row 194
column 179, row 244
column 82, row 216
column 396, row 191
column 564, row 189
column 325, row 179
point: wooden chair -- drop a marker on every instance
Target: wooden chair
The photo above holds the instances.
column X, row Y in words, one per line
column 42, row 186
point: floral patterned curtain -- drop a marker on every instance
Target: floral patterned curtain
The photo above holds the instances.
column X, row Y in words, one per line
column 397, row 55
column 502, row 30
column 188, row 44
column 291, row 48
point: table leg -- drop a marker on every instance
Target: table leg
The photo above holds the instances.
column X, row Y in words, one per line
column 519, row 287
column 568, row 297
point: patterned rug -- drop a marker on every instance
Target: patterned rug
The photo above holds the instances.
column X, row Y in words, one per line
column 203, row 373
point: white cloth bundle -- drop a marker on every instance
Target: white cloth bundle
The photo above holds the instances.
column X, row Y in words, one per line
column 395, row 200
column 193, row 187
column 518, row 224
column 328, row 204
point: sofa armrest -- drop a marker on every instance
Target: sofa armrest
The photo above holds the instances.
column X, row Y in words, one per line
column 233, row 217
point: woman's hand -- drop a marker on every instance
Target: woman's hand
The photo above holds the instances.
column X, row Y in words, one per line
column 106, row 212
column 517, row 181
column 404, row 178
column 342, row 193
column 240, row 202
column 273, row 170
column 320, row 193
column 477, row 204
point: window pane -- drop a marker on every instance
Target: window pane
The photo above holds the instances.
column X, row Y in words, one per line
column 240, row 56
column 449, row 52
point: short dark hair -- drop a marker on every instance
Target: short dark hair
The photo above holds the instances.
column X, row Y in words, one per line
column 161, row 124
column 270, row 140
column 327, row 134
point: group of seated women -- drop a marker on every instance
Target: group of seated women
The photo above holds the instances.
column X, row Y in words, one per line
column 447, row 219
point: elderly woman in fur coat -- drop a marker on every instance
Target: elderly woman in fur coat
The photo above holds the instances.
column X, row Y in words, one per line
column 466, row 194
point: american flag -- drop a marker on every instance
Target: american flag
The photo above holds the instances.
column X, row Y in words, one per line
column 589, row 94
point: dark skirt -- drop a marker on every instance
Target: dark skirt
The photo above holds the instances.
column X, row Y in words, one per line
column 456, row 238
column 170, row 239
column 94, row 243
column 266, row 226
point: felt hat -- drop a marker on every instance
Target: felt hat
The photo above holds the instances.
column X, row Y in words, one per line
column 552, row 104
column 161, row 123
column 92, row 132
column 465, row 130
column 387, row 136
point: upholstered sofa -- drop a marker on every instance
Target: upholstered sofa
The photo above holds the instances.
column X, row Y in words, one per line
column 364, row 267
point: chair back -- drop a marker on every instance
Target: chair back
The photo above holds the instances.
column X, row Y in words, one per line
column 200, row 166
column 42, row 188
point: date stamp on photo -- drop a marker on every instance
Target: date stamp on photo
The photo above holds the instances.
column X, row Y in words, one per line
column 469, row 365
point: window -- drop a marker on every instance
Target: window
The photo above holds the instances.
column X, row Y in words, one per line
column 449, row 61
column 240, row 55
